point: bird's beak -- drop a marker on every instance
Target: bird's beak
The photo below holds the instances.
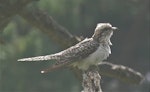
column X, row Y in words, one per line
column 115, row 29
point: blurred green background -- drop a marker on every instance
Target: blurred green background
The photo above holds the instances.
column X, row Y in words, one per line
column 130, row 44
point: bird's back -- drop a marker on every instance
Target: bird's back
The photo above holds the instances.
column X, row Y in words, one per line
column 79, row 51
column 76, row 52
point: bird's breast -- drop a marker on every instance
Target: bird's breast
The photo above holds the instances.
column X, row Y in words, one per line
column 99, row 55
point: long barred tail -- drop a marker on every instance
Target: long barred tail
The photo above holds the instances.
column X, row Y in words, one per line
column 41, row 58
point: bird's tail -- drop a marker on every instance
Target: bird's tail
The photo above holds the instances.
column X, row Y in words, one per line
column 57, row 66
column 41, row 58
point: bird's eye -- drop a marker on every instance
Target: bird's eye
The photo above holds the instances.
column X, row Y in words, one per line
column 107, row 28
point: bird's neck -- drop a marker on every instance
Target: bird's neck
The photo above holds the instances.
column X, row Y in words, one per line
column 103, row 40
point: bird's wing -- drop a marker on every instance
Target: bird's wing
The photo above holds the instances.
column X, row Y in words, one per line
column 54, row 67
column 74, row 54
column 80, row 50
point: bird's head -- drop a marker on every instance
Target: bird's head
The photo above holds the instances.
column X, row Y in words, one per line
column 103, row 32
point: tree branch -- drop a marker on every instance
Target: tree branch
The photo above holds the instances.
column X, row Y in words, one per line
column 120, row 72
column 91, row 81
column 48, row 25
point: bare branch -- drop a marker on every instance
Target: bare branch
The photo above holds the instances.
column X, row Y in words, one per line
column 91, row 81
column 120, row 72
column 91, row 78
column 48, row 25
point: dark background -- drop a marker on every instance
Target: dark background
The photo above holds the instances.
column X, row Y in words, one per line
column 130, row 44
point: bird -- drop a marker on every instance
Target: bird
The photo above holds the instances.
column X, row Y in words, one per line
column 90, row 51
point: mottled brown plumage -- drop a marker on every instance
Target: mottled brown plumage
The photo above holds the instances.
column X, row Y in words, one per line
column 88, row 52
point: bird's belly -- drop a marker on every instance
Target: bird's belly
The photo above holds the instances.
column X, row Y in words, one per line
column 93, row 59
